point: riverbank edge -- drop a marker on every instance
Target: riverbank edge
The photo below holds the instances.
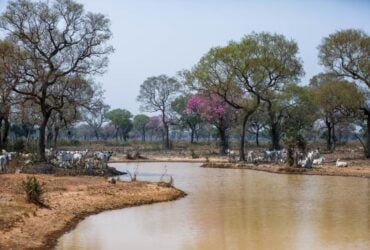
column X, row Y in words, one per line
column 52, row 238
column 276, row 169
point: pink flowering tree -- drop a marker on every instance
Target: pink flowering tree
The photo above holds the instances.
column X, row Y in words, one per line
column 214, row 110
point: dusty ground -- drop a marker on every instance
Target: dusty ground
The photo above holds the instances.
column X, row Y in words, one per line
column 25, row 226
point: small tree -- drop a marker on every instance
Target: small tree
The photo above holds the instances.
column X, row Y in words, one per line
column 140, row 123
column 34, row 190
column 337, row 101
column 214, row 110
column 190, row 120
column 121, row 119
column 157, row 94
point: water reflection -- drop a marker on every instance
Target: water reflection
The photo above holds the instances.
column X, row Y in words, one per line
column 235, row 209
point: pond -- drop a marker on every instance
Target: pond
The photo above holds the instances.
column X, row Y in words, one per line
column 235, row 209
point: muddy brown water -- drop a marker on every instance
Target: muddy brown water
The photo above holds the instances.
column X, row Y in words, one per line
column 235, row 209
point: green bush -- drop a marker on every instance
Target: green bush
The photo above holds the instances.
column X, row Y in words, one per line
column 18, row 145
column 34, row 190
column 193, row 154
column 72, row 142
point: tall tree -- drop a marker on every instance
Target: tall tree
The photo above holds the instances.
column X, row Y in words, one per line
column 347, row 53
column 95, row 114
column 60, row 42
column 140, row 123
column 246, row 73
column 8, row 55
column 156, row 95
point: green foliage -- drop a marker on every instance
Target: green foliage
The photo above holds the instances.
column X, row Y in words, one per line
column 193, row 154
column 72, row 142
column 347, row 53
column 18, row 145
column 121, row 119
column 33, row 189
column 293, row 142
column 140, row 124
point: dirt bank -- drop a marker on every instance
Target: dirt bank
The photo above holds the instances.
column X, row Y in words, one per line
column 25, row 226
column 354, row 170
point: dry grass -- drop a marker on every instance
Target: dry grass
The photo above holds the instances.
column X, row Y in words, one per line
column 23, row 225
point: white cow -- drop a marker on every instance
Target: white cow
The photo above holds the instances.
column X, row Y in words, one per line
column 340, row 163
column 3, row 163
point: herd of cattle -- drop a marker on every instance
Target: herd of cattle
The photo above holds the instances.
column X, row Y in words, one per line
column 61, row 158
column 99, row 159
column 281, row 156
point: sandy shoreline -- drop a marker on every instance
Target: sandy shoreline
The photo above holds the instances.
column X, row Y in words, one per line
column 326, row 169
column 25, row 226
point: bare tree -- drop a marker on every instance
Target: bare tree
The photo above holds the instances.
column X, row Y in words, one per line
column 95, row 114
column 59, row 40
column 157, row 94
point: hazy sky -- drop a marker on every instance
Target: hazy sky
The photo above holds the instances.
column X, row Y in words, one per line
column 154, row 37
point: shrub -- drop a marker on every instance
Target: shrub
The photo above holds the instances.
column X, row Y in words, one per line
column 193, row 154
column 72, row 142
column 18, row 145
column 34, row 190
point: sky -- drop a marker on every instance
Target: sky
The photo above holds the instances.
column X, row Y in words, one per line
column 153, row 37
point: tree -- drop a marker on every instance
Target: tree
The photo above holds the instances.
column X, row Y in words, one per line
column 337, row 100
column 246, row 73
column 214, row 110
column 155, row 127
column 121, row 120
column 140, row 123
column 157, row 94
column 299, row 116
column 347, row 53
column 95, row 114
column 60, row 42
column 257, row 123
column 187, row 119
column 8, row 55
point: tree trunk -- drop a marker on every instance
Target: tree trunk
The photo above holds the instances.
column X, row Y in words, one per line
column 223, row 141
column 5, row 131
column 242, row 137
column 117, row 135
column 166, row 130
column 96, row 134
column 257, row 136
column 56, row 135
column 42, row 131
column 367, row 149
column 192, row 136
column 143, row 135
column 1, row 124
column 334, row 138
column 49, row 138
column 167, row 139
column 328, row 139
column 275, row 137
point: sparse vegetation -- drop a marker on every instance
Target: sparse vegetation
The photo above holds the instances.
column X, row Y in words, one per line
column 193, row 154
column 34, row 190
